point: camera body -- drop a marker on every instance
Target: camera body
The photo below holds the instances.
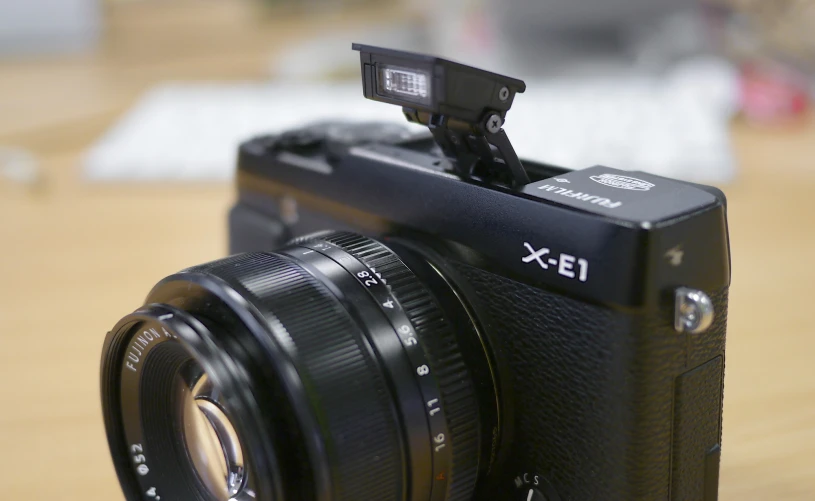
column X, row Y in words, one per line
column 427, row 317
column 602, row 295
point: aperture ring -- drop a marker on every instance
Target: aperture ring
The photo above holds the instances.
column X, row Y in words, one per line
column 451, row 407
column 439, row 452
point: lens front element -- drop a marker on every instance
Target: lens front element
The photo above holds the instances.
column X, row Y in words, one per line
column 212, row 442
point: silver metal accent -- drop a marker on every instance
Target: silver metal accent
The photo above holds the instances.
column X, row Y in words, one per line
column 494, row 123
column 693, row 311
column 503, row 94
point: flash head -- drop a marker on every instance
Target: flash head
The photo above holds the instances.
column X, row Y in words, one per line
column 464, row 107
column 434, row 85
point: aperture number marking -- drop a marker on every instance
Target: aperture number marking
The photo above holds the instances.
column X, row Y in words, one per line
column 439, row 440
column 376, row 283
column 407, row 336
column 433, row 405
column 367, row 279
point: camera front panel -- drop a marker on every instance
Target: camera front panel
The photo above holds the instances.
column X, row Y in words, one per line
column 605, row 404
column 599, row 401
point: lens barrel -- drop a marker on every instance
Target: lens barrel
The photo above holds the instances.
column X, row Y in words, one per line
column 332, row 372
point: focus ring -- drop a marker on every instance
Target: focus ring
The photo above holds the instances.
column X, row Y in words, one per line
column 339, row 374
column 441, row 349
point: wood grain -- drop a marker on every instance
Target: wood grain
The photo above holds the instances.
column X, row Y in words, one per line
column 75, row 257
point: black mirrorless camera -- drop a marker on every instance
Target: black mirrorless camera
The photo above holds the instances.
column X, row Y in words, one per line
column 428, row 318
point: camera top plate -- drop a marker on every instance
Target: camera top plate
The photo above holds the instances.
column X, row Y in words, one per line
column 636, row 197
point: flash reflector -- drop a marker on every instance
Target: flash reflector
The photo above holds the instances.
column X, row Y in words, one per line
column 405, row 83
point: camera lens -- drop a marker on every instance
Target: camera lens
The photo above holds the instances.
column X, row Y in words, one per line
column 175, row 419
column 333, row 369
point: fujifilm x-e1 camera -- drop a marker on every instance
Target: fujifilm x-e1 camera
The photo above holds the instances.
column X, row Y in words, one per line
column 428, row 318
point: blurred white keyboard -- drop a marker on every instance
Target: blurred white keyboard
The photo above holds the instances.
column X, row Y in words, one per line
column 671, row 127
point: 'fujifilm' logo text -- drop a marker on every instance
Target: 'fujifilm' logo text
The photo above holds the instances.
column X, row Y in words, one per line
column 585, row 197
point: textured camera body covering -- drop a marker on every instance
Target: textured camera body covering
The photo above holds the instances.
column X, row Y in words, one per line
column 571, row 280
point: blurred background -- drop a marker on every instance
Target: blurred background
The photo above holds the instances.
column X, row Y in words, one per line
column 119, row 121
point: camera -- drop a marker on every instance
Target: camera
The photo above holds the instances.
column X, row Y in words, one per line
column 426, row 317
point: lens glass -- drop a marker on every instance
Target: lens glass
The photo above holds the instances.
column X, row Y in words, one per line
column 211, row 440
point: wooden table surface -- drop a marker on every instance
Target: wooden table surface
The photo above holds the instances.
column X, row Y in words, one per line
column 75, row 257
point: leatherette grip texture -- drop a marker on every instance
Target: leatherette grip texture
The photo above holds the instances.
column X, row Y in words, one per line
column 698, row 395
column 593, row 387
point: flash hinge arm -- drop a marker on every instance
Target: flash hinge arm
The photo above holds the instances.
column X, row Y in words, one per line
column 501, row 141
column 466, row 145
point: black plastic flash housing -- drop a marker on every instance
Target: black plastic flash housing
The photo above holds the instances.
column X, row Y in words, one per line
column 464, row 107
column 442, row 87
